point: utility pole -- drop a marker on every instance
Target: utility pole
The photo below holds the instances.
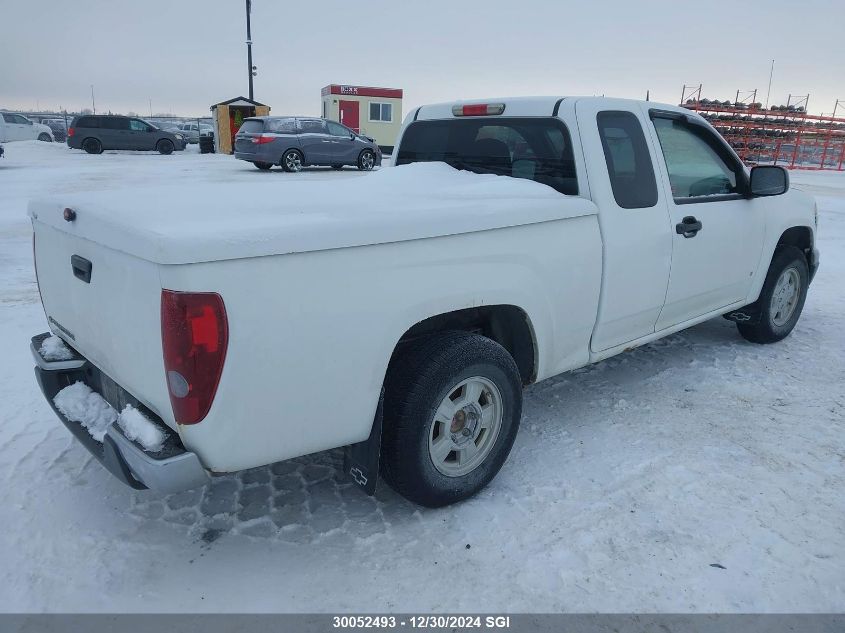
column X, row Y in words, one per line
column 249, row 47
column 151, row 107
column 769, row 91
column 93, row 105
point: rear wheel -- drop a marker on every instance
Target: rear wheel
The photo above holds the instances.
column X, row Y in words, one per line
column 453, row 403
column 45, row 137
column 367, row 160
column 263, row 166
column 92, row 146
column 781, row 299
column 165, row 146
column 292, row 161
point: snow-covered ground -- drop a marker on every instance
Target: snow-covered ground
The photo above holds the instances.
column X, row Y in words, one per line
column 630, row 480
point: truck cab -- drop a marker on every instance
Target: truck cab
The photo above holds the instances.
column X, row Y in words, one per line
column 683, row 234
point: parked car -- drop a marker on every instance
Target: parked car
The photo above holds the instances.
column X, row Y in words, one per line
column 58, row 127
column 95, row 133
column 192, row 131
column 402, row 316
column 295, row 142
column 1, row 151
column 16, row 127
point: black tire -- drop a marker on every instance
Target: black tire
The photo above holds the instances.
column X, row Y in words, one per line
column 92, row 146
column 771, row 326
column 165, row 146
column 263, row 166
column 419, row 379
column 366, row 160
column 292, row 161
column 45, row 137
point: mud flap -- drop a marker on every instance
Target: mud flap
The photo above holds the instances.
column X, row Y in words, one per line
column 361, row 460
column 749, row 314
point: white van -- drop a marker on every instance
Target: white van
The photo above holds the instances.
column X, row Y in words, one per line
column 16, row 127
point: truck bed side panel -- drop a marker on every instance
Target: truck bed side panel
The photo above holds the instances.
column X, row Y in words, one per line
column 310, row 335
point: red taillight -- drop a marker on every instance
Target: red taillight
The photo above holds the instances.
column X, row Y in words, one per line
column 71, row 131
column 478, row 109
column 264, row 138
column 194, row 338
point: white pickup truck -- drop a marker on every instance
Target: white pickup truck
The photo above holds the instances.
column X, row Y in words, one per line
column 400, row 314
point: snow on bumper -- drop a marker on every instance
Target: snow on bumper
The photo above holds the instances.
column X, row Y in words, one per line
column 169, row 470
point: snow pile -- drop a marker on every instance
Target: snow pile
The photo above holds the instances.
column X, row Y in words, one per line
column 138, row 428
column 54, row 348
column 78, row 403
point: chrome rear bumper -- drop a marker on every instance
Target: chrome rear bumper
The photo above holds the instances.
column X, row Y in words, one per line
column 171, row 469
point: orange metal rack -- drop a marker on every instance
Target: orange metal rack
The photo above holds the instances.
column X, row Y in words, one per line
column 781, row 135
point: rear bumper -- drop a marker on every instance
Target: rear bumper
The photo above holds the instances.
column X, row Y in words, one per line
column 254, row 157
column 170, row 470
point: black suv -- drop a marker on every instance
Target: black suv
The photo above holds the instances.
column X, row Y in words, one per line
column 96, row 133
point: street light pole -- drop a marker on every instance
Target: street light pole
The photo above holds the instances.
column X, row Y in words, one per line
column 93, row 105
column 769, row 91
column 249, row 47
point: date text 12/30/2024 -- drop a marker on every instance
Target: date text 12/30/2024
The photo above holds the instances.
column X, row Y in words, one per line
column 390, row 622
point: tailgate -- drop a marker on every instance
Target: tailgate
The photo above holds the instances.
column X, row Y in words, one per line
column 105, row 304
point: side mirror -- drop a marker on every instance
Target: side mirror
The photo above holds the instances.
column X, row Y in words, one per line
column 352, row 136
column 769, row 180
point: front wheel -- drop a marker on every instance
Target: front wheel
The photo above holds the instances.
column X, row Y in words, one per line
column 366, row 161
column 453, row 402
column 45, row 137
column 781, row 299
column 165, row 146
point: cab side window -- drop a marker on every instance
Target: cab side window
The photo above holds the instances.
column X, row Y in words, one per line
column 628, row 161
column 336, row 129
column 698, row 165
column 137, row 126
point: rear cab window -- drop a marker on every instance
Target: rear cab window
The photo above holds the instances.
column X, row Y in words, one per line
column 534, row 148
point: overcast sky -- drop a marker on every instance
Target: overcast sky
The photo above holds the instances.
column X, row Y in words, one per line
column 185, row 55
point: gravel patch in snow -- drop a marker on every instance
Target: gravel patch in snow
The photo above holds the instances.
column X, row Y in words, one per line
column 54, row 348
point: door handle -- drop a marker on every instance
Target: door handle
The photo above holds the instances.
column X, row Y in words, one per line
column 81, row 268
column 688, row 227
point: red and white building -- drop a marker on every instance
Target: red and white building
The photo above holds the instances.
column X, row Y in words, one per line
column 373, row 112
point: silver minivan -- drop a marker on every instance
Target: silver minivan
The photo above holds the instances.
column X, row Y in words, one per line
column 294, row 142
